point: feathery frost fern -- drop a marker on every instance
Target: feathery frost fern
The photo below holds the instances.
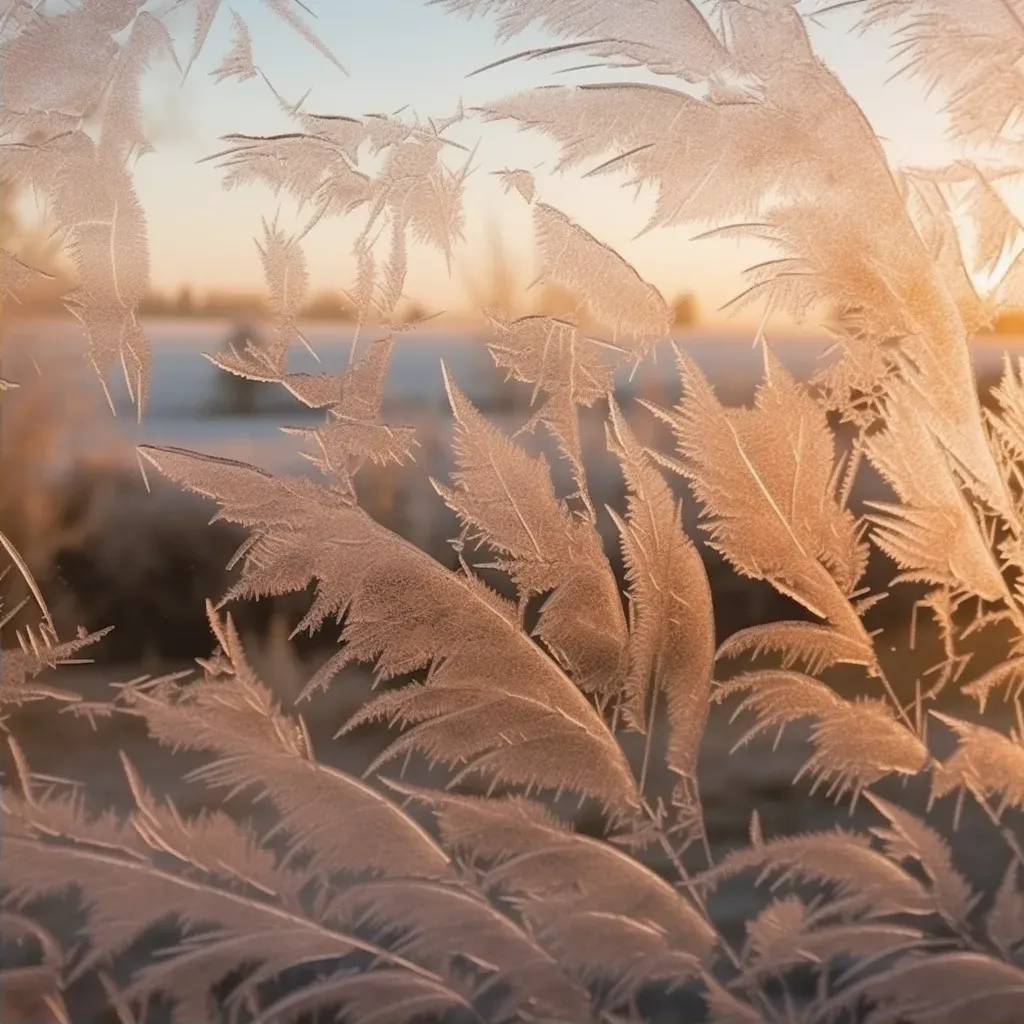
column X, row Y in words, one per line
column 474, row 900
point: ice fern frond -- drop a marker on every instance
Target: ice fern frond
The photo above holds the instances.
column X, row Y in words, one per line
column 507, row 495
column 940, row 988
column 353, row 432
column 619, row 298
column 933, row 533
column 40, row 649
column 929, row 210
column 238, row 61
column 520, row 180
column 93, row 193
column 563, row 365
column 788, row 932
column 230, row 713
column 534, row 727
column 669, row 37
column 986, row 762
column 766, row 480
column 816, row 647
column 288, row 11
column 1008, row 673
column 237, row 903
column 305, row 165
column 206, row 12
column 287, row 276
column 122, row 123
column 672, row 631
column 857, row 742
column 1008, row 421
column 525, row 855
column 866, row 880
column 970, row 57
column 910, row 838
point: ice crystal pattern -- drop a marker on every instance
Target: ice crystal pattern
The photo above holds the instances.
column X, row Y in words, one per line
column 475, row 900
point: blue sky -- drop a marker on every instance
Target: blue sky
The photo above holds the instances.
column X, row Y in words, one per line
column 404, row 52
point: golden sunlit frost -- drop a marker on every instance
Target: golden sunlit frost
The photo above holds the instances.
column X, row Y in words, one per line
column 472, row 896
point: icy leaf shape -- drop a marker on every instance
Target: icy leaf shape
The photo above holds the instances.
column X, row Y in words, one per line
column 418, row 189
column 816, row 647
column 563, row 366
column 309, row 166
column 1008, row 421
column 943, row 988
column 75, row 41
column 910, row 838
column 562, row 878
column 856, row 742
column 519, row 180
column 985, row 761
column 1008, row 673
column 672, row 629
column 669, row 37
column 533, row 727
column 122, row 120
column 775, row 931
column 228, row 711
column 933, row 534
column 353, row 432
column 859, row 873
column 969, row 56
column 41, row 649
column 766, row 478
column 238, row 61
column 205, row 13
column 507, row 495
column 395, row 270
column 930, row 212
column 287, row 277
column 225, row 879
column 789, row 932
column 996, row 230
column 357, row 393
column 616, row 294
column 943, row 395
column 94, row 195
column 286, row 11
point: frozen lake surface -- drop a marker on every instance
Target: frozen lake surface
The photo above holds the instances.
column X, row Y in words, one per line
column 186, row 397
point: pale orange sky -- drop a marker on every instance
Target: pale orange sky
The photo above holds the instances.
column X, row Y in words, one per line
column 203, row 236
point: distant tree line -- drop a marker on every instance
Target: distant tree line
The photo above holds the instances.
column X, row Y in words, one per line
column 217, row 303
